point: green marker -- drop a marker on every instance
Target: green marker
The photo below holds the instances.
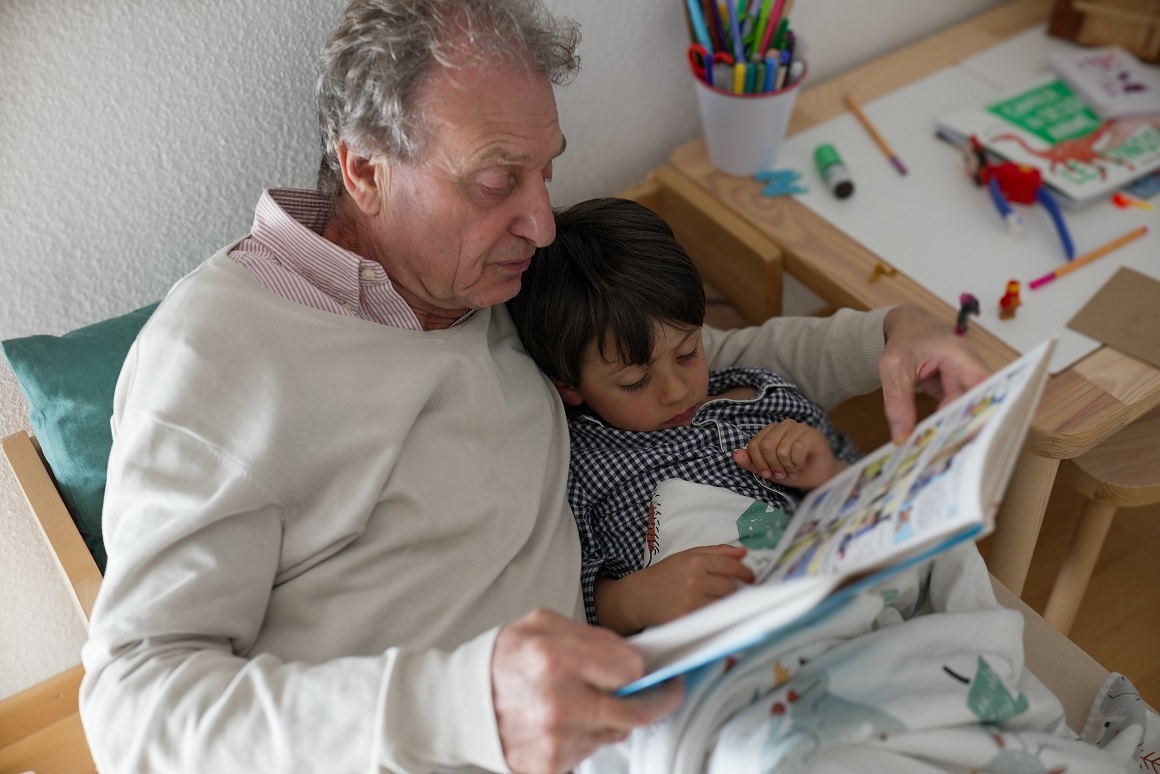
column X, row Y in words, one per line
column 833, row 171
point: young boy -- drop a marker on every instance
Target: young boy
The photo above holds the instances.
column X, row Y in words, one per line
column 612, row 313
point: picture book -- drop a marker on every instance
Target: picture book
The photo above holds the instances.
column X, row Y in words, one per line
column 1110, row 79
column 897, row 506
column 1046, row 125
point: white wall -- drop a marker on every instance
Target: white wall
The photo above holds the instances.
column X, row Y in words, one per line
column 135, row 138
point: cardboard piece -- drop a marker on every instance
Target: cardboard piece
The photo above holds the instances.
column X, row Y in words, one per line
column 1125, row 315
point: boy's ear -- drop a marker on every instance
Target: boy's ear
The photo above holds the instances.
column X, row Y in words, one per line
column 569, row 394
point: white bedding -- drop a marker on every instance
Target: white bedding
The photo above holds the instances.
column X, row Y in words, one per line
column 925, row 673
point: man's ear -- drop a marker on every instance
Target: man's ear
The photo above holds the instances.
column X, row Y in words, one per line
column 360, row 178
column 569, row 394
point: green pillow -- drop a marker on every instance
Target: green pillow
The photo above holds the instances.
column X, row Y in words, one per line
column 69, row 382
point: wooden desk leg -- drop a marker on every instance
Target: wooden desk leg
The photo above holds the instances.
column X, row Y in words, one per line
column 1020, row 516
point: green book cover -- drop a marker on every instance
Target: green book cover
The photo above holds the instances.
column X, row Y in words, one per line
column 1048, row 126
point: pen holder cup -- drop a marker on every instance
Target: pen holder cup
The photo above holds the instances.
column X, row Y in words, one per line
column 744, row 131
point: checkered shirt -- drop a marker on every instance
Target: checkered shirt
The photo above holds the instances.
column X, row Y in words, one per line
column 613, row 472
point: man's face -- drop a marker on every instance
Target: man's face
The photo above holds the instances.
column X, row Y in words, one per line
column 666, row 392
column 457, row 229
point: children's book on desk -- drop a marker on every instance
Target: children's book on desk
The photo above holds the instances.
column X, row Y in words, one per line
column 898, row 506
column 1111, row 80
column 1046, row 125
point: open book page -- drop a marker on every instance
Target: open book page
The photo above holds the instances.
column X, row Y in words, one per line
column 940, row 481
column 898, row 505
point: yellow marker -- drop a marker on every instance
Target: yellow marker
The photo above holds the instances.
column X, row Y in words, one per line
column 739, row 78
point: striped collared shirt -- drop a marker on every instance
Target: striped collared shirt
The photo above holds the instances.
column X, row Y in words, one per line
column 613, row 472
column 287, row 254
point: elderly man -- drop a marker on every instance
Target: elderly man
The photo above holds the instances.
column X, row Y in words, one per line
column 336, row 520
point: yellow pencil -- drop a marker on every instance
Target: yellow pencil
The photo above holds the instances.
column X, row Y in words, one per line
column 878, row 138
column 1087, row 258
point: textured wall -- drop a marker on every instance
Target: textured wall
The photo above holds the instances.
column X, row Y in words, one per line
column 135, row 138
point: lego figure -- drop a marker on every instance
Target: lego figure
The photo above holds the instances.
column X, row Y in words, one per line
column 1010, row 301
column 968, row 305
column 1017, row 183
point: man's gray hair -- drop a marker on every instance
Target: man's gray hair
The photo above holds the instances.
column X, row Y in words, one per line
column 374, row 65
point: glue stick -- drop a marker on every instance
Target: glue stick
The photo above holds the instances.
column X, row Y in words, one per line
column 833, row 171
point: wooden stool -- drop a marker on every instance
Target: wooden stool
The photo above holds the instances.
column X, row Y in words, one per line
column 1123, row 471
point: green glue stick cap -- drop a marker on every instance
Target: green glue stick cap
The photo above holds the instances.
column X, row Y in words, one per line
column 833, row 171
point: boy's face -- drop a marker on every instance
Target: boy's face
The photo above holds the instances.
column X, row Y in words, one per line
column 664, row 393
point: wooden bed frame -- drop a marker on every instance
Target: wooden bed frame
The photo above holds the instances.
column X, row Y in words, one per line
column 40, row 728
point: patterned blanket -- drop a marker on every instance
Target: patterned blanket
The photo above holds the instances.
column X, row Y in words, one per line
column 923, row 673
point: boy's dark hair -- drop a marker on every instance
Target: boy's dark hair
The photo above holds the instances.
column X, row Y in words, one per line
column 613, row 273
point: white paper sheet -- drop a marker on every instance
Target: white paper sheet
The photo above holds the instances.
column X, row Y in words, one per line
column 937, row 227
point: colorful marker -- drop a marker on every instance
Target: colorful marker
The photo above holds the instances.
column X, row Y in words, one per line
column 878, row 139
column 734, row 31
column 1099, row 252
column 770, row 71
column 771, row 25
column 782, row 71
column 699, row 28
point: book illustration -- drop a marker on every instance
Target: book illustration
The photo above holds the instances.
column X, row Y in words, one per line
column 892, row 491
column 898, row 506
column 1069, row 153
column 887, row 683
column 1046, row 125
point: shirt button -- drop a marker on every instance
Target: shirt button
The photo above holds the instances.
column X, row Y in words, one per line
column 368, row 273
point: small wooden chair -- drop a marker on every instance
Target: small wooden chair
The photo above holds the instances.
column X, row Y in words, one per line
column 40, row 727
column 1123, row 471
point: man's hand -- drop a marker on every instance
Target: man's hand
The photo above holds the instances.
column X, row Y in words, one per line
column 792, row 453
column 676, row 585
column 924, row 354
column 550, row 683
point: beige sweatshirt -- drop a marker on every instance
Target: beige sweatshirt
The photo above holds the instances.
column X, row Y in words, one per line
column 316, row 525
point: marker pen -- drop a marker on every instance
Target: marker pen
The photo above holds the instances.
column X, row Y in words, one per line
column 833, row 171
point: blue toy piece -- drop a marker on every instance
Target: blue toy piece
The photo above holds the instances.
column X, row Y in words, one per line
column 1019, row 183
column 782, row 182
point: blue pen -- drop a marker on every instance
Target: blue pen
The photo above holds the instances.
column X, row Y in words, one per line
column 735, row 32
column 770, row 71
column 700, row 30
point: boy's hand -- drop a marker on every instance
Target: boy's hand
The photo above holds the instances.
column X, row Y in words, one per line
column 790, row 453
column 676, row 585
